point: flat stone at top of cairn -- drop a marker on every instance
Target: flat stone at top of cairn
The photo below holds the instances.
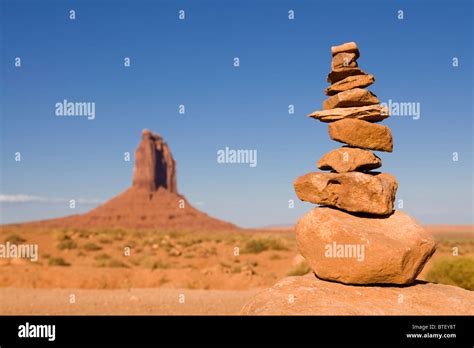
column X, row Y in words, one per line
column 358, row 204
column 349, row 47
column 344, row 59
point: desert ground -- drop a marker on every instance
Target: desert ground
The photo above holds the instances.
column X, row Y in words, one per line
column 118, row 271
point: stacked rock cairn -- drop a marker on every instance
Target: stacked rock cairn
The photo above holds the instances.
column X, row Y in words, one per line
column 355, row 236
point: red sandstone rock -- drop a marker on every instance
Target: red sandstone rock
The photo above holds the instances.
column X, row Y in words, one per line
column 350, row 98
column 341, row 73
column 362, row 134
column 343, row 59
column 370, row 113
column 349, row 159
column 353, row 249
column 154, row 164
column 372, row 193
column 308, row 295
column 151, row 202
column 350, row 82
column 348, row 47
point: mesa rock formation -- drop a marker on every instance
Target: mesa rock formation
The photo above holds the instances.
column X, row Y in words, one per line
column 355, row 241
column 155, row 166
column 152, row 201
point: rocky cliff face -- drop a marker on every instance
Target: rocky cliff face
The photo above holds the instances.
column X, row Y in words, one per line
column 155, row 166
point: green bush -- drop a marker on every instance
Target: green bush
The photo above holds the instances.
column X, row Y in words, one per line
column 458, row 271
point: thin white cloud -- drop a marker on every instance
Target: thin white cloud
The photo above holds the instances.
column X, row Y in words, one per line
column 22, row 198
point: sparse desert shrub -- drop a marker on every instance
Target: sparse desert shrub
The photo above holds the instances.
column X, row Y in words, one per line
column 15, row 239
column 465, row 246
column 175, row 234
column 258, row 245
column 116, row 234
column 82, row 233
column 275, row 257
column 57, row 261
column 62, row 235
column 105, row 241
column 91, row 247
column 132, row 243
column 134, row 261
column 112, row 263
column 236, row 269
column 163, row 280
column 192, row 285
column 117, row 263
column 301, row 269
column 159, row 265
column 148, row 262
column 66, row 244
column 458, row 271
column 102, row 257
column 225, row 265
column 189, row 241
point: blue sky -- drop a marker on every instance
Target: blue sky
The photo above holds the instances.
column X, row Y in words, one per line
column 190, row 62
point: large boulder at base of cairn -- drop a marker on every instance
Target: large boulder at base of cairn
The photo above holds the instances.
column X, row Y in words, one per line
column 359, row 250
